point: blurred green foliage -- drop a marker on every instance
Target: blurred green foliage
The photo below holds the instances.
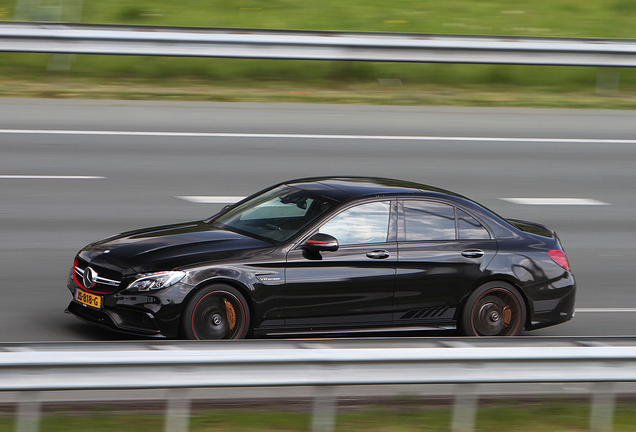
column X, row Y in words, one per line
column 217, row 71
column 563, row 18
column 571, row 18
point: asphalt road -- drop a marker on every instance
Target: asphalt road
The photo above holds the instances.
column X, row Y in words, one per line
column 486, row 154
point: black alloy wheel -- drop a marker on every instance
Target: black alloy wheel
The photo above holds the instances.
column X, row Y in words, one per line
column 494, row 309
column 216, row 312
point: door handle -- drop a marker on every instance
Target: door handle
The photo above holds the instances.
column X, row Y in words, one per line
column 378, row 254
column 473, row 253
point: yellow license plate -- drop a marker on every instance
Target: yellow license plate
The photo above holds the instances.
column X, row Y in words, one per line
column 88, row 299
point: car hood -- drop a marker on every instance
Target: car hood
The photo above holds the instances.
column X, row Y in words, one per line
column 169, row 247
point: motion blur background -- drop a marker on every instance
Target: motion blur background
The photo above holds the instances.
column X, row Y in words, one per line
column 165, row 78
column 147, row 131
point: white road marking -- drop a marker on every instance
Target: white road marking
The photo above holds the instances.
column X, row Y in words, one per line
column 316, row 136
column 612, row 310
column 555, row 201
column 211, row 199
column 51, row 177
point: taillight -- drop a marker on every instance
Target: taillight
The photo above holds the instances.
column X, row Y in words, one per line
column 558, row 256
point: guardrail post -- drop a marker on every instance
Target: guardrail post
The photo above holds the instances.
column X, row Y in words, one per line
column 603, row 404
column 177, row 411
column 607, row 81
column 324, row 412
column 40, row 10
column 465, row 409
column 28, row 414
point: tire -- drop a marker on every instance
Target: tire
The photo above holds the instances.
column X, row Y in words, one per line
column 493, row 309
column 216, row 312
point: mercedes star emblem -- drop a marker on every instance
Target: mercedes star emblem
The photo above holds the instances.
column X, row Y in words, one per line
column 89, row 277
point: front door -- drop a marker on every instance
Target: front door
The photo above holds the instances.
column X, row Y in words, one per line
column 352, row 286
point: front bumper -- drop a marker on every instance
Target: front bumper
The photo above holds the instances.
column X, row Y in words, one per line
column 126, row 321
column 154, row 314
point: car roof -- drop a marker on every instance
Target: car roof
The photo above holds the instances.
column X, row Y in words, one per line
column 347, row 188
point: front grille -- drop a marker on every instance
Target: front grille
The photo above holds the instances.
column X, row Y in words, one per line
column 106, row 280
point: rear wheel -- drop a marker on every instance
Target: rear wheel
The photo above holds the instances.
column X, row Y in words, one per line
column 216, row 312
column 494, row 309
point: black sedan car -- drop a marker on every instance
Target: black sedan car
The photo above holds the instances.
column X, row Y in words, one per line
column 329, row 256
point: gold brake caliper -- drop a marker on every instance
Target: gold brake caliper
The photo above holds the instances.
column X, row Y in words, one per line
column 230, row 313
column 507, row 315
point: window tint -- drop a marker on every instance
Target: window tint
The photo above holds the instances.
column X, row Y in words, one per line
column 278, row 208
column 469, row 228
column 276, row 215
column 366, row 223
column 426, row 220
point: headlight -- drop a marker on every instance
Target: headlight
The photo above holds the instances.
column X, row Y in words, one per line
column 155, row 281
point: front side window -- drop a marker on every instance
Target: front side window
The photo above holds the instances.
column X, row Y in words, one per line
column 365, row 223
column 275, row 215
column 427, row 220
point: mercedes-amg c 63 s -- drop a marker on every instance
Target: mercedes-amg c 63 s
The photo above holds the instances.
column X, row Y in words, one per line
column 328, row 256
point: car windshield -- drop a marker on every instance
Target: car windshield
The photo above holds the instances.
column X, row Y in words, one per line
column 276, row 215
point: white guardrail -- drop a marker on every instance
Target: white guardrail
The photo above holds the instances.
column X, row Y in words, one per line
column 319, row 369
column 69, row 38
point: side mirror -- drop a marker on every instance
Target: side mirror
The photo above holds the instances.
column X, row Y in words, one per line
column 321, row 243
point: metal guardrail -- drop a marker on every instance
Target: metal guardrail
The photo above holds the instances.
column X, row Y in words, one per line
column 324, row 370
column 69, row 38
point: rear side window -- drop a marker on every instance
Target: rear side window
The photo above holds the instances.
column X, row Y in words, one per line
column 469, row 228
column 426, row 220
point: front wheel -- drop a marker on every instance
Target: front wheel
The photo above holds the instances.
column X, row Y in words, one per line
column 494, row 309
column 216, row 312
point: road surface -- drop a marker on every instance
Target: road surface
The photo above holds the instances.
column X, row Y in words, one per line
column 75, row 171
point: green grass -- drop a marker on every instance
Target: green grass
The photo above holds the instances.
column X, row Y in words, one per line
column 545, row 414
column 425, row 83
column 125, row 88
column 584, row 18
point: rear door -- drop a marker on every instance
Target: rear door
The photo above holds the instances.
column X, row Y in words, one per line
column 442, row 251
